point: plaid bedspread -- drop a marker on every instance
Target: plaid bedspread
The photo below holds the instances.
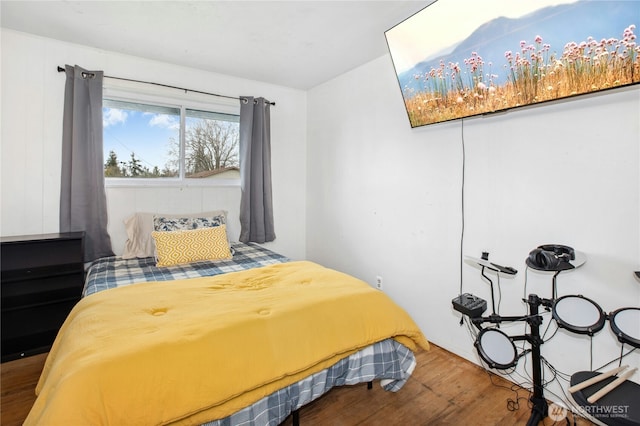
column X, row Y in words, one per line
column 111, row 272
column 387, row 360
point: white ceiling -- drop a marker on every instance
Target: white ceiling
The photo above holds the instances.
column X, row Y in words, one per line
column 297, row 44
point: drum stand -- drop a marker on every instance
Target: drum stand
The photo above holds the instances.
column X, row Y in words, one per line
column 540, row 407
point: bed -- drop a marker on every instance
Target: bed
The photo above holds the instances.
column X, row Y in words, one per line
column 244, row 339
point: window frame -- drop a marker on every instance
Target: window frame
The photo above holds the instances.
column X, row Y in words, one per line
column 189, row 100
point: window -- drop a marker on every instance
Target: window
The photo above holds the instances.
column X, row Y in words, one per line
column 161, row 142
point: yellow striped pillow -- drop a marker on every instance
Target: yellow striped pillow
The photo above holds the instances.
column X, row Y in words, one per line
column 185, row 246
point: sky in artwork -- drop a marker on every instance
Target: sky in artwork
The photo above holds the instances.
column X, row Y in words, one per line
column 445, row 23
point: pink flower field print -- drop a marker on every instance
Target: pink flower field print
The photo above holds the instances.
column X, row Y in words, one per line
column 548, row 53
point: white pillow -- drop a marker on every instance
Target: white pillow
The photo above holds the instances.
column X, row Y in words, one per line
column 139, row 227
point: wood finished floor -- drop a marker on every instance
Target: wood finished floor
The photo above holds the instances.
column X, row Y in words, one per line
column 444, row 390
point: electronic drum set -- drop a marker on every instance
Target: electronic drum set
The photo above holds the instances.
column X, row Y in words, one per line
column 574, row 313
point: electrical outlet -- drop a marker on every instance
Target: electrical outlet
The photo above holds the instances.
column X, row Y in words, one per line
column 379, row 282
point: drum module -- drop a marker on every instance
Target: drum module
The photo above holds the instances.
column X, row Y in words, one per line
column 470, row 305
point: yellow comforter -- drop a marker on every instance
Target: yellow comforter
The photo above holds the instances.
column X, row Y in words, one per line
column 194, row 350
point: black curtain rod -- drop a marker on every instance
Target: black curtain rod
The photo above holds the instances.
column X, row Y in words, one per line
column 60, row 69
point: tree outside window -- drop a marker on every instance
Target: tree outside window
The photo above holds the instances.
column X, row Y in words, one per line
column 145, row 141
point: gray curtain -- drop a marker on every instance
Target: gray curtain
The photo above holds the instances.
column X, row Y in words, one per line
column 83, row 203
column 256, row 206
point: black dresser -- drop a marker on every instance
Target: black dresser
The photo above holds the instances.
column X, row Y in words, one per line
column 41, row 280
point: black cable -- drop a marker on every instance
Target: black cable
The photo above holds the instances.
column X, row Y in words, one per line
column 547, row 329
column 553, row 370
column 472, row 330
column 513, row 404
column 576, row 410
column 621, row 351
column 499, row 294
column 614, row 360
column 526, row 275
column 462, row 201
column 566, row 400
column 572, row 407
column 591, row 352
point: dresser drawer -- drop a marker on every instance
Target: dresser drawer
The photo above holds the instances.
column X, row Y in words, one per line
column 41, row 279
column 36, row 273
column 32, row 330
column 37, row 254
column 36, row 290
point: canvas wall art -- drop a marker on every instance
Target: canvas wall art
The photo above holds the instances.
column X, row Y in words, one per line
column 456, row 59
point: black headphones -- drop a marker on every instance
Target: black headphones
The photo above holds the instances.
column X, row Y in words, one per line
column 551, row 257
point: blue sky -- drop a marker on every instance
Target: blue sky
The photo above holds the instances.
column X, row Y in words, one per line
column 434, row 28
column 145, row 134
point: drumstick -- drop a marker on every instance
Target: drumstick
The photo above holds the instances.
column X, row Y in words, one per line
column 596, row 379
column 611, row 386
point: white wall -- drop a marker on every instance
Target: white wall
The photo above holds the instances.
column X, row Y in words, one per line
column 380, row 198
column 32, row 106
column 383, row 199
